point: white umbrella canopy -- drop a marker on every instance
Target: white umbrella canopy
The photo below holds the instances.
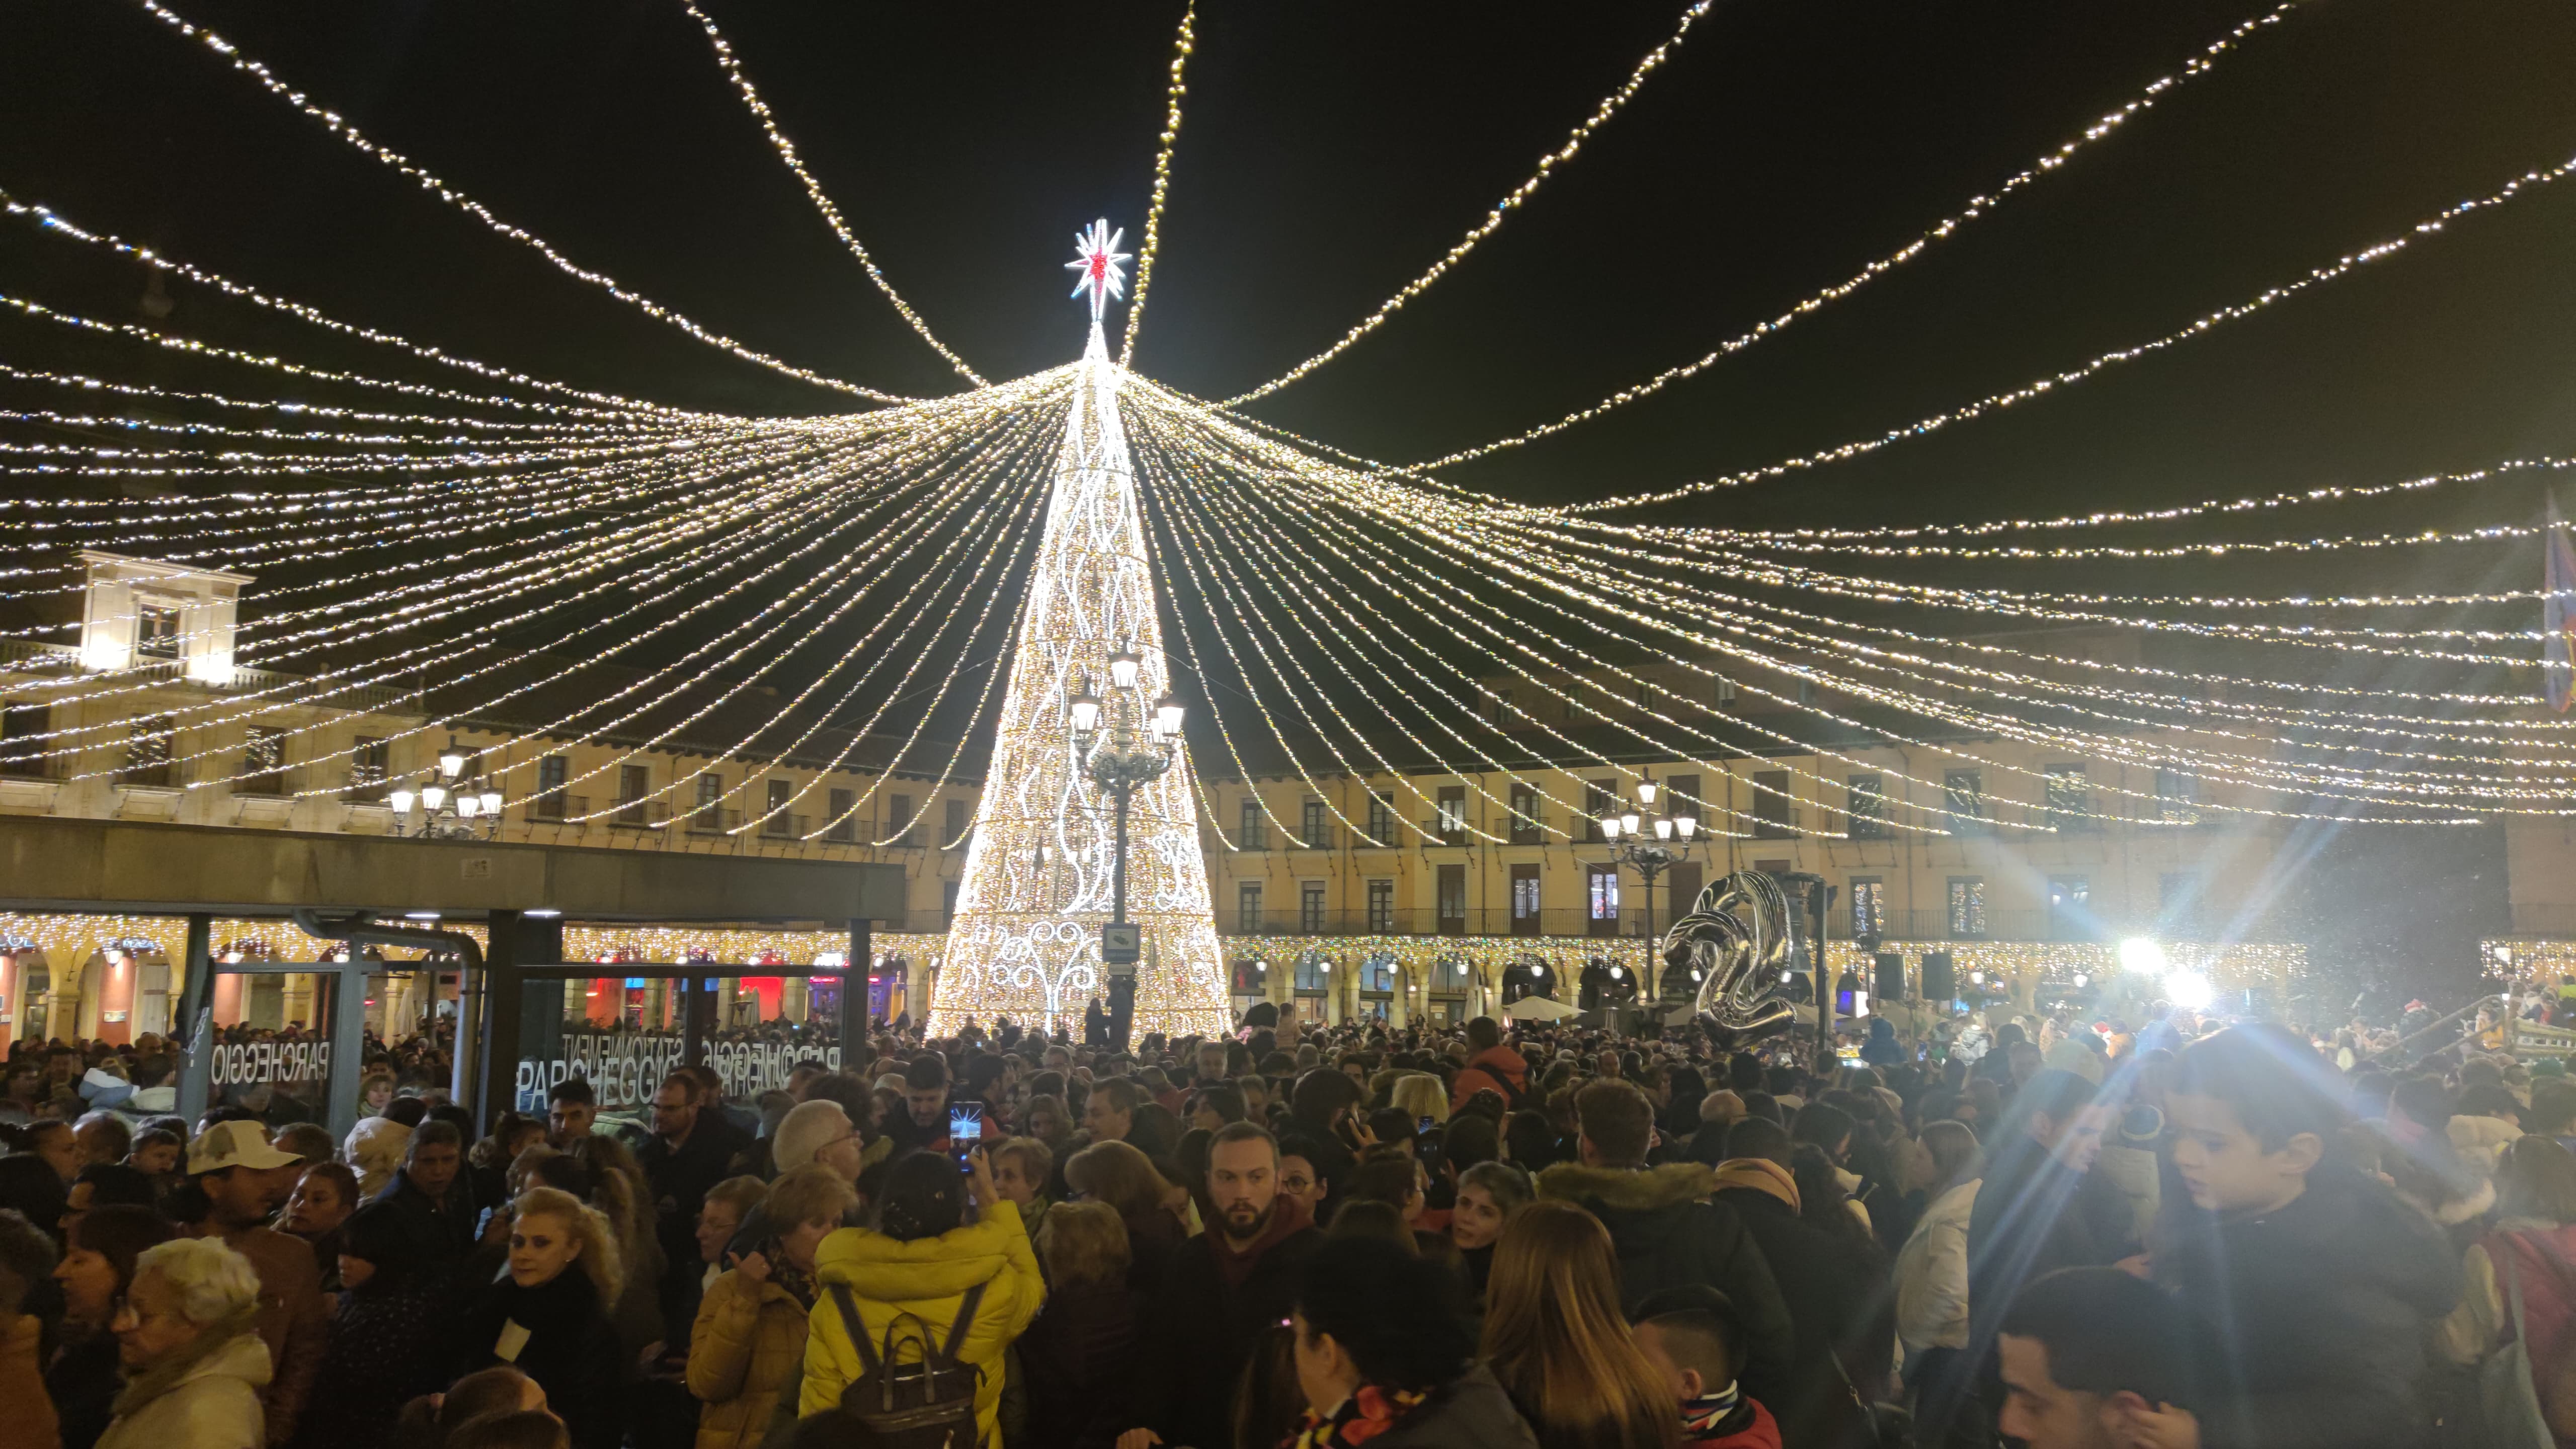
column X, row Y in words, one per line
column 1538, row 1008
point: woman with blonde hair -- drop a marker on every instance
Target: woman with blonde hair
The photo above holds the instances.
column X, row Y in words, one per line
column 748, row 1346
column 548, row 1314
column 1120, row 1176
column 1555, row 1338
column 1418, row 1095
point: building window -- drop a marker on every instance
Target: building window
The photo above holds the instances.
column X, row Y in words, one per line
column 1524, row 815
column 1601, row 899
column 844, row 826
column 1453, row 900
column 156, row 631
column 552, row 773
column 899, row 820
column 1867, row 802
column 263, row 763
column 2177, row 798
column 1311, row 826
column 706, row 816
column 2070, row 908
column 1502, row 709
column 1525, row 918
column 1310, row 908
column 1314, row 974
column 1453, row 815
column 370, row 765
column 633, row 784
column 1868, row 908
column 1724, row 694
column 775, row 821
column 959, row 820
column 1377, row 974
column 1247, row 907
column 1381, row 819
column 1968, row 907
column 2069, row 797
column 1381, row 907
column 147, row 750
column 1600, row 798
column 1645, row 697
column 1964, row 793
column 1251, row 836
column 1681, row 797
column 1775, row 816
column 23, row 731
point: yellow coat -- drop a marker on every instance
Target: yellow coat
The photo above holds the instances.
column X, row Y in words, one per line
column 927, row 1278
column 742, row 1356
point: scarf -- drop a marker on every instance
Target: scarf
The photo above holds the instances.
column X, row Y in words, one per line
column 1363, row 1416
column 1760, row 1174
column 1236, row 1264
column 798, row 1282
column 1701, row 1416
column 159, row 1379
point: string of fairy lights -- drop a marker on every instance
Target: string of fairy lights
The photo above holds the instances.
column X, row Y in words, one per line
column 443, row 547
column 1182, row 45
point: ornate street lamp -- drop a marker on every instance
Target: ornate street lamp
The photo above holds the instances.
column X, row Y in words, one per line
column 1629, row 845
column 446, row 805
column 1121, row 754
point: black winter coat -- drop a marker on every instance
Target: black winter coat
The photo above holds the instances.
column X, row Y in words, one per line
column 2033, row 1216
column 1836, row 1289
column 2319, row 1314
column 1201, row 1333
column 1078, row 1360
column 83, row 1382
column 385, row 1348
column 441, row 1230
column 571, row 1351
column 1667, row 1233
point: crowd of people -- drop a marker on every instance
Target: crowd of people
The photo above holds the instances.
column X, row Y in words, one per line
column 2231, row 1236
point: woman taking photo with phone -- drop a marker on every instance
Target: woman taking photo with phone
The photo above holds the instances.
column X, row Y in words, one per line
column 925, row 1259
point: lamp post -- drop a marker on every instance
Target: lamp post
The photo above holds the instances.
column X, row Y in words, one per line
column 446, row 804
column 1649, row 858
column 1120, row 755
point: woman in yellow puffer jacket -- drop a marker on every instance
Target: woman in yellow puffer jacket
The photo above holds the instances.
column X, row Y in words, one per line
column 750, row 1333
column 920, row 1261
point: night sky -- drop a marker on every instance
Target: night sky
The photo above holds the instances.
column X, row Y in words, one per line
column 1332, row 150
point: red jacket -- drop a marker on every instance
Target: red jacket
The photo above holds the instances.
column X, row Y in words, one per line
column 1489, row 1070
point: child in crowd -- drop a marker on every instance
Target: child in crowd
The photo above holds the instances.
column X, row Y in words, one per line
column 1694, row 1338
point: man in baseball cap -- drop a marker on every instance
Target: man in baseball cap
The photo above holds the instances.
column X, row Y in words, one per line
column 244, row 1178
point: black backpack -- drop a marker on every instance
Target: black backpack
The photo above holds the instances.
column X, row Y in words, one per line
column 924, row 1405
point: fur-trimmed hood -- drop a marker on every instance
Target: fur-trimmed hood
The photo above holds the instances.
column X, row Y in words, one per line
column 1634, row 1190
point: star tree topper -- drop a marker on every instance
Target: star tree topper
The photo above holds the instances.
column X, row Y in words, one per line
column 1097, row 260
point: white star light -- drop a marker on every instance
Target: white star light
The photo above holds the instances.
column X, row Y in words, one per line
column 1097, row 259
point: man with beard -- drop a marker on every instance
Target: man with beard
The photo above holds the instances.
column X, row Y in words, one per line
column 1224, row 1290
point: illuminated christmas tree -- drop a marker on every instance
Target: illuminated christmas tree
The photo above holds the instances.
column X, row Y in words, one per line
column 1025, row 941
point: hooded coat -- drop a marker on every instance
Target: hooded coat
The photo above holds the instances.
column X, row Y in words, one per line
column 206, row 1397
column 2318, row 1313
column 926, row 1278
column 1668, row 1232
column 1838, row 1309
